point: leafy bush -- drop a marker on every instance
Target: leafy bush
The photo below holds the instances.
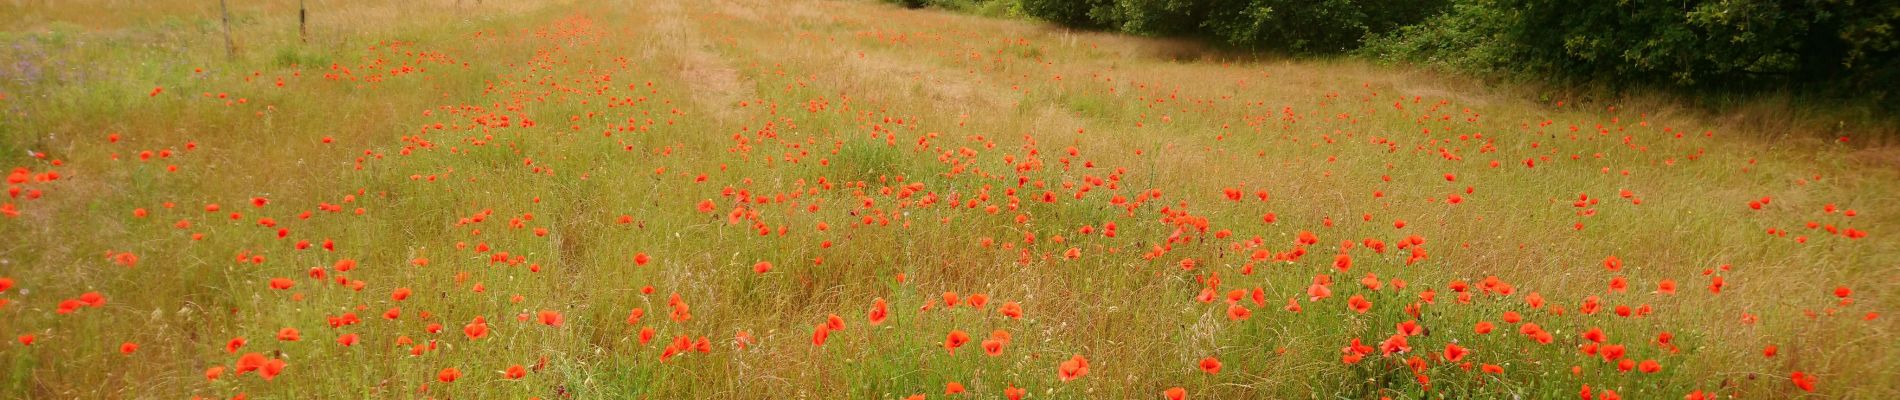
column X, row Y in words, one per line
column 1843, row 46
column 1314, row 26
column 1075, row 13
column 988, row 8
column 1743, row 44
column 1301, row 26
column 1466, row 37
column 908, row 3
column 1154, row 17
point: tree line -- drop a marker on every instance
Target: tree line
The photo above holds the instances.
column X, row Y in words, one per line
column 1746, row 45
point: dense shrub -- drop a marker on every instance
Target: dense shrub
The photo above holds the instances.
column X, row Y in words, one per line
column 1836, row 46
column 1153, row 17
column 1076, row 13
column 1743, row 44
column 1313, row 26
column 909, row 3
column 990, row 8
column 1300, row 26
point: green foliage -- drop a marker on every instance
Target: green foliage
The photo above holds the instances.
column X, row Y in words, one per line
column 992, row 8
column 908, row 3
column 1830, row 48
column 1745, row 44
column 1076, row 13
column 1465, row 37
column 297, row 56
column 863, row 160
column 1301, row 26
column 1153, row 17
column 989, row 8
column 1313, row 26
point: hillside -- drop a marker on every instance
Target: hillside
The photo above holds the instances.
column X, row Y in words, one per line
column 821, row 199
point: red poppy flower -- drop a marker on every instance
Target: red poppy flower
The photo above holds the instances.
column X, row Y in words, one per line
column 955, row 339
column 1803, row 381
column 1358, row 304
column 1073, row 368
column 879, row 311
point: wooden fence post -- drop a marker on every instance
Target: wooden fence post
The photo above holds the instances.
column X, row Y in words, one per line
column 230, row 47
column 303, row 22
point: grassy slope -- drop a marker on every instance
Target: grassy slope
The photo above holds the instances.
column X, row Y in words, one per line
column 924, row 145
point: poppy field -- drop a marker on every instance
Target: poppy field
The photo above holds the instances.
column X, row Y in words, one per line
column 666, row 199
